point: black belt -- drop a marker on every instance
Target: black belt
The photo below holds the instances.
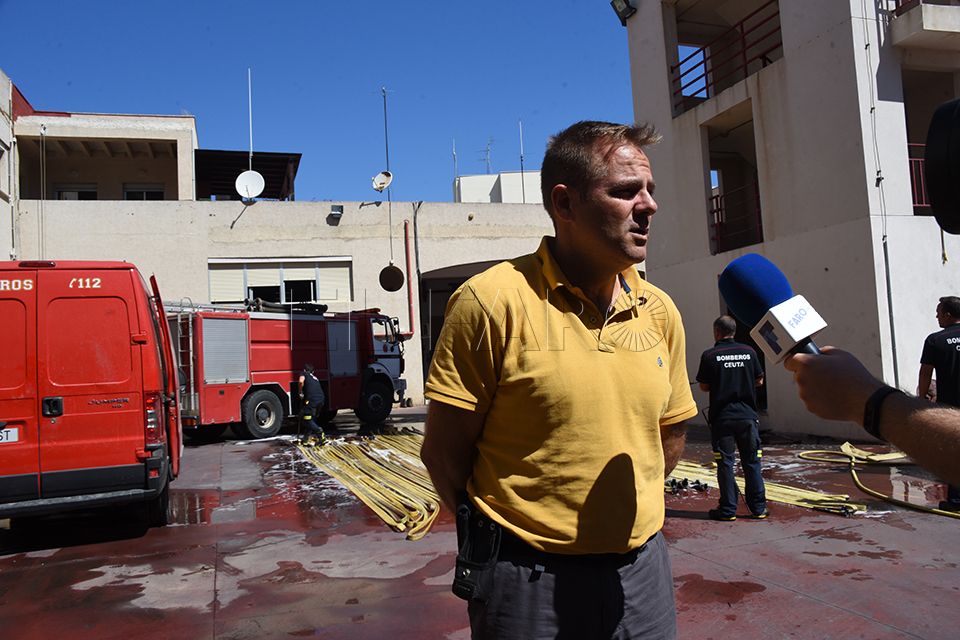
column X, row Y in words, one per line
column 513, row 549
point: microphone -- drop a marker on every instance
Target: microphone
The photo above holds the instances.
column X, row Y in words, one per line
column 760, row 296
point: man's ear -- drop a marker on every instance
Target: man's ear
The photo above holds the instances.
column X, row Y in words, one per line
column 561, row 198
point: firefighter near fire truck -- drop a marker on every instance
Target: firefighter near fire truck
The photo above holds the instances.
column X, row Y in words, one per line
column 311, row 401
column 241, row 366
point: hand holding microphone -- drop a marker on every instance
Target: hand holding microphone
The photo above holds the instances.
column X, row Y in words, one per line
column 760, row 296
column 832, row 384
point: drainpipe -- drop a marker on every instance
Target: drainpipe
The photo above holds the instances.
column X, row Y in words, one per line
column 893, row 332
column 14, row 198
column 406, row 246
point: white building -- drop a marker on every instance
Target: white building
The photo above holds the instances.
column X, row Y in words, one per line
column 139, row 188
column 521, row 187
column 813, row 113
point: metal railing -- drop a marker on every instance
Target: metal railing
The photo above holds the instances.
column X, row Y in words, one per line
column 743, row 49
column 735, row 218
column 918, row 184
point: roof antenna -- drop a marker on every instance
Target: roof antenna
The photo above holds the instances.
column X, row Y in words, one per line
column 250, row 184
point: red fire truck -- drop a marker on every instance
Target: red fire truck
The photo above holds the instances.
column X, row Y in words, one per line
column 240, row 367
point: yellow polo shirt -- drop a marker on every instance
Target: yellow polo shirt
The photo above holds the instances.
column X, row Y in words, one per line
column 570, row 458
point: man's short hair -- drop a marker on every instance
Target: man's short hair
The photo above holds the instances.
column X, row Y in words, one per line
column 950, row 305
column 571, row 156
column 725, row 325
column 308, row 368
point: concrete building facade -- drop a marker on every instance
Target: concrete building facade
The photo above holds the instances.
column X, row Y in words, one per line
column 90, row 198
column 811, row 115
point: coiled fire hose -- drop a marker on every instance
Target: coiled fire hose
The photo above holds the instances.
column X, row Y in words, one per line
column 851, row 455
column 385, row 473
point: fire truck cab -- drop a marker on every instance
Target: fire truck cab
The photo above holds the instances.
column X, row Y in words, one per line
column 88, row 393
column 241, row 367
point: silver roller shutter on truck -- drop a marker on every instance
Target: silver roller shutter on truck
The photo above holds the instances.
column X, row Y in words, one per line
column 225, row 350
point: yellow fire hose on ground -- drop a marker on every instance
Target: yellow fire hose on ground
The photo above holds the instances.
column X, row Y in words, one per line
column 817, row 500
column 386, row 474
column 851, row 455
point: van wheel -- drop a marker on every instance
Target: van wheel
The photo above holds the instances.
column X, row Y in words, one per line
column 158, row 509
column 376, row 401
column 262, row 415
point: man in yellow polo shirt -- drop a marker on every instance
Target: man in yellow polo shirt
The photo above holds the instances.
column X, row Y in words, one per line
column 558, row 396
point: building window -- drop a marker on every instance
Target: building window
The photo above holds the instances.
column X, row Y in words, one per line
column 75, row 192
column 734, row 217
column 143, row 192
column 323, row 280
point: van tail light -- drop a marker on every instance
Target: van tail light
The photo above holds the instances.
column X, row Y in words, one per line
column 153, row 428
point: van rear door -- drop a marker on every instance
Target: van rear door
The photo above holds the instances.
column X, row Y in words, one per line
column 19, row 443
column 89, row 381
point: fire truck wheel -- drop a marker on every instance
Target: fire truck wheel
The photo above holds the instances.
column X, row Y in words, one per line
column 158, row 509
column 262, row 415
column 375, row 403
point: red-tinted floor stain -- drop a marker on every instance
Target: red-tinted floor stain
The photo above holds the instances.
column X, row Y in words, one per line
column 694, row 588
column 834, row 533
column 891, row 554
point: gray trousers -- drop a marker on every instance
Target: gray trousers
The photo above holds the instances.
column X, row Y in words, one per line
column 580, row 598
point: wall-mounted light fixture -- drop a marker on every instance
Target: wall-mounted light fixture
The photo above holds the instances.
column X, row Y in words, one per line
column 623, row 9
column 336, row 210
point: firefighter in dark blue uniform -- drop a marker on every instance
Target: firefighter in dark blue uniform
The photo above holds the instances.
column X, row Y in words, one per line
column 731, row 372
column 941, row 353
column 311, row 401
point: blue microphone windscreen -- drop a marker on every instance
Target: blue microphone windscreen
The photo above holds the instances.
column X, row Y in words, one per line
column 750, row 285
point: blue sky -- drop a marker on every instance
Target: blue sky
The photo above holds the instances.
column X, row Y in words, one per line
column 454, row 70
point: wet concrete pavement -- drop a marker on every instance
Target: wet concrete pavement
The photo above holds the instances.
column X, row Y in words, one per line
column 265, row 546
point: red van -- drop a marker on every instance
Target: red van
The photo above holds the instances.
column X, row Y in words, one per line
column 88, row 392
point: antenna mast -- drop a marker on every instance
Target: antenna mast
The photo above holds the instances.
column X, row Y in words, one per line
column 386, row 148
column 523, row 187
column 250, row 105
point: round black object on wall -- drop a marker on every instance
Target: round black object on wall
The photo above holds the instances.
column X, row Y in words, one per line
column 391, row 278
column 942, row 166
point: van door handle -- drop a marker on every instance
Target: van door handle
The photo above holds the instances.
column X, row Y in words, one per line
column 52, row 406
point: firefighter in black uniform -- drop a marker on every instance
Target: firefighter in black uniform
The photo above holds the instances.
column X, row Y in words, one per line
column 311, row 401
column 941, row 353
column 731, row 372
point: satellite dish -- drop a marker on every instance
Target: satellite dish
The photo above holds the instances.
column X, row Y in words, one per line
column 391, row 278
column 382, row 180
column 250, row 184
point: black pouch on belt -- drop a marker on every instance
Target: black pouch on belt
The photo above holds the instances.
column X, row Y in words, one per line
column 478, row 541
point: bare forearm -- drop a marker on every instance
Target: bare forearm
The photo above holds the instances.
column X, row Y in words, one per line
column 836, row 386
column 929, row 433
column 674, row 438
column 449, row 447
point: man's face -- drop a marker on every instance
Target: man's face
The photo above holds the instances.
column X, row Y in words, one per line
column 612, row 219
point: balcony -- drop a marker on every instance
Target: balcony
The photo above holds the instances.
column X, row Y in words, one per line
column 926, row 24
column 918, row 185
column 736, row 220
column 743, row 49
